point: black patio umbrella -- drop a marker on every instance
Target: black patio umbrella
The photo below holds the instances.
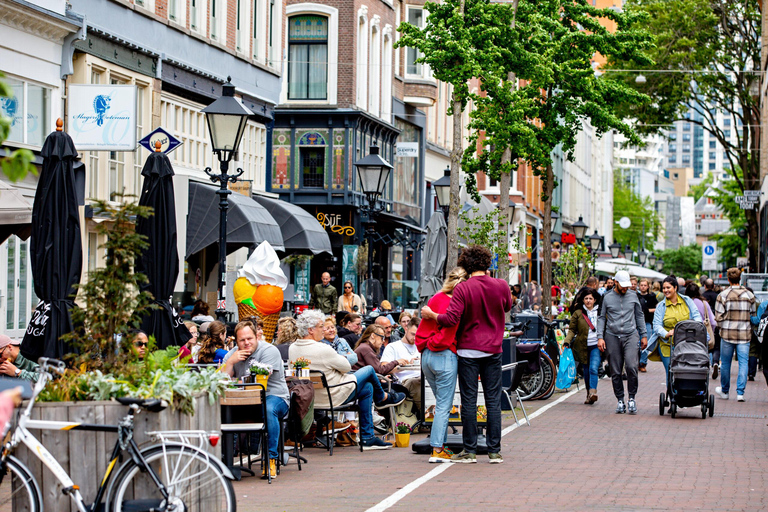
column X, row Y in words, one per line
column 56, row 250
column 160, row 261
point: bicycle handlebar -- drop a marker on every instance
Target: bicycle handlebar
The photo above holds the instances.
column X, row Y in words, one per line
column 50, row 364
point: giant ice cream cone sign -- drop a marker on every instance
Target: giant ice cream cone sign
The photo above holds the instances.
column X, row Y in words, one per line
column 259, row 287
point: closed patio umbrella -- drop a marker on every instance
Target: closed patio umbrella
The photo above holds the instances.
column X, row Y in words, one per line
column 433, row 259
column 160, row 261
column 56, row 250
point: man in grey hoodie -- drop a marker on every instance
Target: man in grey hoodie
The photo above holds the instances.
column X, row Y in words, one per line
column 619, row 326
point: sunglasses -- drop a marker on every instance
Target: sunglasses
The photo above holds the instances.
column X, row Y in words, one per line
column 347, row 287
column 141, row 344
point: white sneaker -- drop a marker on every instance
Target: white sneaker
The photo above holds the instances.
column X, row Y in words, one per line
column 720, row 393
column 740, row 398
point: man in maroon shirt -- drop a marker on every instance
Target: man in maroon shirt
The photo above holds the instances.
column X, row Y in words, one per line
column 478, row 306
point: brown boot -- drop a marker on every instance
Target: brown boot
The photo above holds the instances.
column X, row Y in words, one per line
column 588, row 396
column 592, row 396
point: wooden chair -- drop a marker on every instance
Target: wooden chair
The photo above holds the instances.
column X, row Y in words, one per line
column 320, row 383
column 256, row 400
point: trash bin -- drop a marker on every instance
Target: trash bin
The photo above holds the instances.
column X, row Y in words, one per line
column 535, row 329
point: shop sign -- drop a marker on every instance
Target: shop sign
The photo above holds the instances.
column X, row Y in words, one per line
column 167, row 141
column 244, row 187
column 102, row 117
column 333, row 221
column 407, row 149
column 301, row 282
column 349, row 264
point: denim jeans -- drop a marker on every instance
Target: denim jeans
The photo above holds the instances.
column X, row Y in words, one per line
column 489, row 371
column 726, row 358
column 440, row 369
column 644, row 353
column 277, row 408
column 590, row 370
column 368, row 390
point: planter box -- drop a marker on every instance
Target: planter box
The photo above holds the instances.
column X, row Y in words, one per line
column 85, row 454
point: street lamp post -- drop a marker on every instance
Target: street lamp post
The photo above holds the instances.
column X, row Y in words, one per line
column 373, row 172
column 659, row 265
column 226, row 118
column 553, row 224
column 641, row 257
column 628, row 253
column 595, row 241
column 442, row 188
column 580, row 229
column 615, row 249
column 652, row 260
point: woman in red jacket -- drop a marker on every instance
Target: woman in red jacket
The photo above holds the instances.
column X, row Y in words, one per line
column 439, row 363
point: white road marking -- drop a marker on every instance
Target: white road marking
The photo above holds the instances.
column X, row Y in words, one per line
column 402, row 493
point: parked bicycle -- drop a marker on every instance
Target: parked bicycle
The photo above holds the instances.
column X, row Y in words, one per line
column 175, row 473
column 540, row 384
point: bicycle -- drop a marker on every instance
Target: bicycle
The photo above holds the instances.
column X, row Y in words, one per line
column 174, row 474
column 540, row 385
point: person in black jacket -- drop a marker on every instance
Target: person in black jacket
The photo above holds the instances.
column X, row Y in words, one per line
column 710, row 295
column 350, row 328
column 648, row 302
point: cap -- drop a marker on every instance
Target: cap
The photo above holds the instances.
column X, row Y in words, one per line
column 622, row 277
column 386, row 305
column 5, row 341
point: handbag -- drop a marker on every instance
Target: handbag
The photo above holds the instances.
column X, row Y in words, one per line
column 708, row 325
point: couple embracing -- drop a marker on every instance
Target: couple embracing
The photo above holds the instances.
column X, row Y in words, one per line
column 461, row 333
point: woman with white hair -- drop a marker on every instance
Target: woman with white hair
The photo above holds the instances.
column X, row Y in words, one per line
column 336, row 369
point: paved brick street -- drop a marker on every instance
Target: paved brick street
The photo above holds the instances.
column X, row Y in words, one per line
column 574, row 457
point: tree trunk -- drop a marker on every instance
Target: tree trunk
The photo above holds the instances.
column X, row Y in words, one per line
column 546, row 243
column 503, row 218
column 453, row 212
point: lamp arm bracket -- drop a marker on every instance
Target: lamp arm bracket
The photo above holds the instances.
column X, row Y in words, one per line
column 233, row 177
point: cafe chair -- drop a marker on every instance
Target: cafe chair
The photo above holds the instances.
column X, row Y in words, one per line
column 512, row 389
column 241, row 402
column 320, row 383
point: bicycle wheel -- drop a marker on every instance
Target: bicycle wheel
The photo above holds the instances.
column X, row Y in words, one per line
column 531, row 383
column 19, row 490
column 194, row 483
column 550, row 374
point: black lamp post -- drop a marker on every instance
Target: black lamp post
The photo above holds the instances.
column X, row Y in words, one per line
column 615, row 249
column 226, row 118
column 373, row 172
column 553, row 224
column 659, row 265
column 652, row 260
column 628, row 253
column 580, row 229
column 595, row 241
column 641, row 257
column 442, row 188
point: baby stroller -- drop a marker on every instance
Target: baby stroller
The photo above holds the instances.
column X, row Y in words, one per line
column 688, row 384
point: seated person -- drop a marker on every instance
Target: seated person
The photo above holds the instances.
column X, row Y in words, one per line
column 336, row 369
column 12, row 363
column 338, row 344
column 368, row 349
column 201, row 312
column 140, row 343
column 405, row 349
column 191, row 348
column 252, row 348
column 213, row 348
column 351, row 327
column 286, row 334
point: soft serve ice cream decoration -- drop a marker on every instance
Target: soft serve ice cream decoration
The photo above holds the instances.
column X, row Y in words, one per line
column 259, row 287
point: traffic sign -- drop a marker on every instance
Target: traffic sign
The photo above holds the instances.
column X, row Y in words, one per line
column 709, row 256
column 167, row 141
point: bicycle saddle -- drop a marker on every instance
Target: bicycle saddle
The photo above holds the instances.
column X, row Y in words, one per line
column 149, row 404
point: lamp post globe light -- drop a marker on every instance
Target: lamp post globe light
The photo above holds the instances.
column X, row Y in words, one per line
column 615, row 249
column 641, row 257
column 652, row 260
column 373, row 172
column 442, row 188
column 659, row 265
column 226, row 118
column 595, row 241
column 580, row 228
column 553, row 224
column 628, row 253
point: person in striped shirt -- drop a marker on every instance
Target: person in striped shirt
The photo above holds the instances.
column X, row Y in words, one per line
column 733, row 310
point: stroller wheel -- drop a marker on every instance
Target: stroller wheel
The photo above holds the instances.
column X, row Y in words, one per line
column 662, row 399
column 711, row 405
column 673, row 410
column 704, row 411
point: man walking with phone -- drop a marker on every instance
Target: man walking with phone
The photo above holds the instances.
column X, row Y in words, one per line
column 619, row 327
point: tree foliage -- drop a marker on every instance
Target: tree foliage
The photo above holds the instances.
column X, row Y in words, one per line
column 628, row 203
column 683, row 262
column 708, row 52
column 573, row 267
column 18, row 163
column 111, row 296
column 484, row 230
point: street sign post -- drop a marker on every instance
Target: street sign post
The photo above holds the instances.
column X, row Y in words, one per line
column 709, row 256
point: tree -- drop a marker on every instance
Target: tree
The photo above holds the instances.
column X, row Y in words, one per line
column 683, row 262
column 573, row 268
column 446, row 44
column 19, row 163
column 628, row 203
column 731, row 244
column 697, row 191
column 708, row 54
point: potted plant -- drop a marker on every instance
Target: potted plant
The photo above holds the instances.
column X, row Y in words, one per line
column 261, row 373
column 301, row 367
column 403, row 435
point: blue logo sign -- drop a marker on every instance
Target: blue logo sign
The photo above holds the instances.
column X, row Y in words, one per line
column 709, row 250
column 167, row 141
column 100, row 107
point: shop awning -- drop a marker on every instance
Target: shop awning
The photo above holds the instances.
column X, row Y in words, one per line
column 302, row 233
column 15, row 213
column 248, row 223
column 406, row 222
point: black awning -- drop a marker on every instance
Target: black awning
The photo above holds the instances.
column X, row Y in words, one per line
column 403, row 222
column 248, row 223
column 302, row 233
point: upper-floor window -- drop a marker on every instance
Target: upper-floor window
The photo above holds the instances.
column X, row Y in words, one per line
column 308, row 57
column 687, row 137
column 177, row 10
column 29, row 110
column 218, row 10
column 415, row 16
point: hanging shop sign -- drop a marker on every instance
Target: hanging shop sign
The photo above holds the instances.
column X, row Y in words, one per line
column 102, row 117
column 332, row 221
column 749, row 200
column 407, row 149
column 167, row 141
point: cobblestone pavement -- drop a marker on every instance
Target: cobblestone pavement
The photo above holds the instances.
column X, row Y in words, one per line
column 573, row 457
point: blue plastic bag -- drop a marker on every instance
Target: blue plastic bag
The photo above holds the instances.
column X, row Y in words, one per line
column 566, row 373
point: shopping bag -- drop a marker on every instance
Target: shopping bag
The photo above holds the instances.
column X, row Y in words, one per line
column 566, row 373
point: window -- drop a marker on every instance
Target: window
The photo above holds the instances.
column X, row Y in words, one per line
column 258, row 31
column 686, row 159
column 415, row 16
column 29, row 110
column 374, row 68
column 727, row 134
column 673, row 159
column 686, row 148
column 687, row 137
column 362, row 58
column 675, row 176
column 672, row 148
column 185, row 121
column 727, row 121
column 218, row 11
column 386, row 75
column 308, row 58
column 712, row 144
column 194, row 14
column 686, row 127
column 274, row 32
column 312, row 166
column 672, row 136
column 712, row 166
column 712, row 155
column 176, row 10
column 18, row 283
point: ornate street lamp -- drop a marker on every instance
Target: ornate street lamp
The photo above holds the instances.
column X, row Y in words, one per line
column 595, row 241
column 659, row 265
column 652, row 260
column 553, row 224
column 373, row 172
column 641, row 257
column 615, row 249
column 226, row 118
column 628, row 253
column 443, row 191
column 511, row 212
column 580, row 229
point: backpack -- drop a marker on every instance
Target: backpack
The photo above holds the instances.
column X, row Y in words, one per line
column 761, row 327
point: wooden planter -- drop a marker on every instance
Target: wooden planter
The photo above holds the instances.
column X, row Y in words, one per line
column 85, row 454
